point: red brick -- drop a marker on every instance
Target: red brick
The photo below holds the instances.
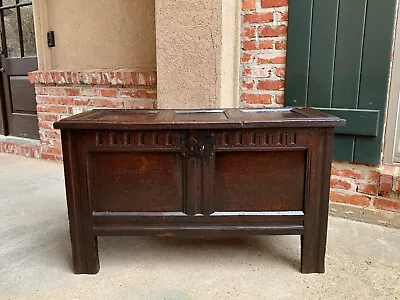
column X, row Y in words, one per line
column 246, row 72
column 374, row 175
column 385, row 183
column 143, row 94
column 268, row 31
column 248, row 4
column 52, row 108
column 249, row 32
column 347, row 173
column 52, row 134
column 40, row 91
column 94, row 77
column 248, row 85
column 280, row 99
column 63, row 101
column 257, row 98
column 280, row 45
column 280, row 72
column 272, row 60
column 82, row 102
column 48, row 117
column 283, row 16
column 266, row 45
column 57, row 144
column 109, row 93
column 259, row 18
column 246, row 57
column 350, row 199
column 88, row 91
column 20, row 149
column 367, row 188
column 386, row 204
column 72, row 91
column 51, row 91
column 45, row 125
column 46, row 156
column 55, row 100
column 272, row 85
column 52, row 151
column 102, row 103
column 340, row 184
column 274, row 3
column 115, row 103
column 249, row 45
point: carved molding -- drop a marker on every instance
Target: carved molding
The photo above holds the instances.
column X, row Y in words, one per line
column 155, row 139
column 253, row 138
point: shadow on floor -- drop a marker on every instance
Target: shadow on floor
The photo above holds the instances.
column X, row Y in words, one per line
column 207, row 249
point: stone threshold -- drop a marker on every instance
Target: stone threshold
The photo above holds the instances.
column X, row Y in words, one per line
column 20, row 146
column 19, row 140
column 365, row 215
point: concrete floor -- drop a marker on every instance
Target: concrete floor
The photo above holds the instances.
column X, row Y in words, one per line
column 363, row 261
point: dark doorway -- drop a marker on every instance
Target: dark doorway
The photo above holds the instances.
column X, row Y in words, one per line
column 18, row 115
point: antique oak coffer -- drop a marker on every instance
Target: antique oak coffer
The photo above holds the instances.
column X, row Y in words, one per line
column 198, row 172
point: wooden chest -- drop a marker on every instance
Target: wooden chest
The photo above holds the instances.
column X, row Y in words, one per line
column 198, row 172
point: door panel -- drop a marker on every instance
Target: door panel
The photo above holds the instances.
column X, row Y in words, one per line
column 21, row 91
column 18, row 58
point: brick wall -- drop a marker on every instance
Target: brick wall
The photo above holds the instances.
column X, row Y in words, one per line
column 263, row 57
column 366, row 186
column 64, row 93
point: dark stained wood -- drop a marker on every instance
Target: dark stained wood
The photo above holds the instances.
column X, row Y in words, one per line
column 117, row 119
column 313, row 241
column 200, row 172
column 111, row 184
column 3, row 119
column 84, row 244
column 20, row 97
column 237, row 188
column 18, row 115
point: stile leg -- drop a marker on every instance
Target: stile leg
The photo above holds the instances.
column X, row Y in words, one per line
column 313, row 245
column 84, row 251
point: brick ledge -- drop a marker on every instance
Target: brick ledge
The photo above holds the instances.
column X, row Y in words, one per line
column 120, row 77
column 22, row 147
column 365, row 215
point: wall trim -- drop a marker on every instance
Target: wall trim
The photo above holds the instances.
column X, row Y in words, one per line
column 391, row 137
column 95, row 77
column 230, row 54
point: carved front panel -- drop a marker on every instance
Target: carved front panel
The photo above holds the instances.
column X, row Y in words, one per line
column 260, row 138
column 142, row 139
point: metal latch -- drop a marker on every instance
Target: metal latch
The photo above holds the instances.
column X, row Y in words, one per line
column 199, row 144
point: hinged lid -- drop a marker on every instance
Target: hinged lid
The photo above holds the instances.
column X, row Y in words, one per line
column 199, row 119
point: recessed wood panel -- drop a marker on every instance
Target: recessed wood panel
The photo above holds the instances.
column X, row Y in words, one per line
column 259, row 181
column 136, row 182
column 23, row 95
column 216, row 115
column 129, row 116
column 269, row 114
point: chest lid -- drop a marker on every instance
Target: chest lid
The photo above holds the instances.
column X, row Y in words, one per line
column 199, row 119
